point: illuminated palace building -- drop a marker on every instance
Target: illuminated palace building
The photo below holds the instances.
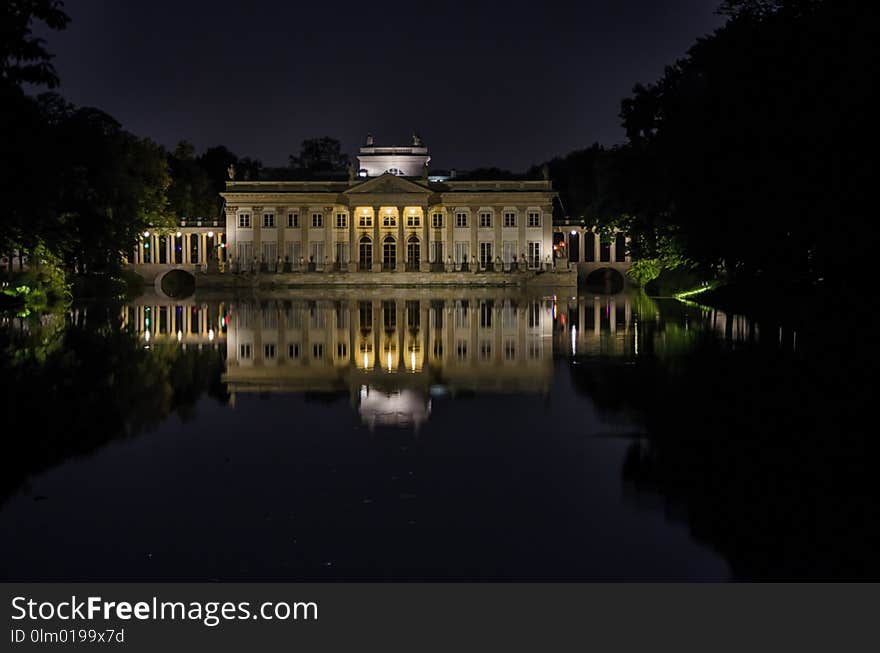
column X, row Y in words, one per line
column 389, row 216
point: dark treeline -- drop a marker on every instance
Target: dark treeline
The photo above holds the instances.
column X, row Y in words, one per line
column 748, row 158
column 77, row 189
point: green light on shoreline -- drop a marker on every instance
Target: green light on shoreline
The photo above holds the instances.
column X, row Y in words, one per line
column 695, row 291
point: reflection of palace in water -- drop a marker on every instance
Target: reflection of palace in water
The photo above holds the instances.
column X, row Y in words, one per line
column 390, row 356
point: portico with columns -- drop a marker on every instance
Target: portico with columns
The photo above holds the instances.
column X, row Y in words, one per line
column 389, row 224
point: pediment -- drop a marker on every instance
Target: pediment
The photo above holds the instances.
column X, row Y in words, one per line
column 388, row 184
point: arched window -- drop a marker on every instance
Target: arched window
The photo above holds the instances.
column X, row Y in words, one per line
column 413, row 253
column 365, row 253
column 389, row 253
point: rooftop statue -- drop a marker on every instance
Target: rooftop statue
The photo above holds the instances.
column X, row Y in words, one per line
column 231, row 172
column 417, row 140
column 370, row 140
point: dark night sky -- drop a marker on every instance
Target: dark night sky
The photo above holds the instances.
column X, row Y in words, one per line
column 486, row 83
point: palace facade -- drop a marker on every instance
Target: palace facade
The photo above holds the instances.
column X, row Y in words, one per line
column 389, row 223
column 389, row 217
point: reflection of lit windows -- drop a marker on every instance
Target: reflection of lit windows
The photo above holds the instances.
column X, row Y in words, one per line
column 534, row 349
column 485, row 350
column 341, row 350
column 293, row 351
column 485, row 315
column 318, row 351
column 461, row 317
column 269, row 352
column 461, row 349
column 534, row 315
column 244, row 351
column 438, row 349
column 509, row 350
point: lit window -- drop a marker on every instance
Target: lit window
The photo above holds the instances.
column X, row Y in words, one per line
column 292, row 220
column 437, row 221
column 389, row 220
column 244, row 220
column 341, row 221
column 534, row 219
column 365, row 220
column 485, row 219
column 461, row 219
column 413, row 220
column 317, row 219
column 269, row 220
column 510, row 219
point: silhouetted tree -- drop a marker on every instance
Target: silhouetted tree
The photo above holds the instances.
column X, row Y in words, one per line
column 320, row 155
column 23, row 57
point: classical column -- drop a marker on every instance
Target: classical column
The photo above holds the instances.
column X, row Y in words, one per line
column 474, row 218
column 401, row 244
column 425, row 265
column 281, row 226
column 582, row 254
column 522, row 219
column 329, row 236
column 597, row 246
column 305, row 224
column 352, row 238
column 449, row 230
column 256, row 226
column 377, row 246
column 498, row 223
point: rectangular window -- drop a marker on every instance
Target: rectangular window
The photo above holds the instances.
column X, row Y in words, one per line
column 342, row 221
column 294, row 253
column 389, row 220
column 341, row 350
column 485, row 254
column 534, row 254
column 437, row 220
column 413, row 220
column 244, row 220
column 317, row 220
column 485, row 350
column 244, row 351
column 461, row 251
column 461, row 219
column 461, row 350
column 485, row 219
column 342, row 253
column 534, row 219
column 293, row 220
column 269, row 352
column 365, row 220
column 318, row 351
column 293, row 351
column 509, row 219
column 268, row 220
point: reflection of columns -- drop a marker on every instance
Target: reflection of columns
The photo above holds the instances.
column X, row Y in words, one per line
column 400, row 265
column 612, row 247
column 597, row 317
column 612, row 316
column 582, row 246
column 597, row 247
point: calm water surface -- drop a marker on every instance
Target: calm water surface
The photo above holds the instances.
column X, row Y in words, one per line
column 425, row 435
